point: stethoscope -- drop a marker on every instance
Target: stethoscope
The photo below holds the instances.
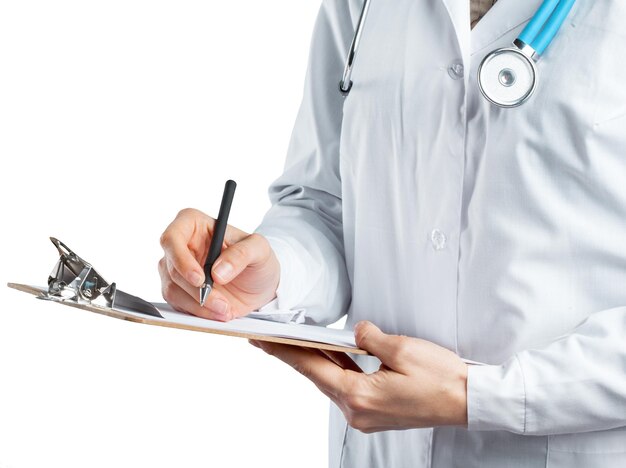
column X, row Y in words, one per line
column 507, row 77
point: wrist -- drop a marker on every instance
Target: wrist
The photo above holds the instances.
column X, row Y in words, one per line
column 462, row 399
column 456, row 406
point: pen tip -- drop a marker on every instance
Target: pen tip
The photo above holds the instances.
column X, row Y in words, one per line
column 204, row 292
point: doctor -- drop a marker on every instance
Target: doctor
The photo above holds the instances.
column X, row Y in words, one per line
column 493, row 234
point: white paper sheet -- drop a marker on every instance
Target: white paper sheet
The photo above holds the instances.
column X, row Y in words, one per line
column 261, row 327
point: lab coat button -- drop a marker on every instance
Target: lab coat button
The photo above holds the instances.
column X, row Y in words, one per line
column 456, row 71
column 438, row 239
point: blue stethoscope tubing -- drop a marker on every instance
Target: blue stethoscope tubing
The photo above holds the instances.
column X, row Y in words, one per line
column 530, row 44
column 545, row 24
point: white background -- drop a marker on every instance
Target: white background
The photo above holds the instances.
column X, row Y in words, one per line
column 113, row 116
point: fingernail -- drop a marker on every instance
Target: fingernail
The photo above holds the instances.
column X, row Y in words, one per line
column 195, row 278
column 219, row 307
column 224, row 270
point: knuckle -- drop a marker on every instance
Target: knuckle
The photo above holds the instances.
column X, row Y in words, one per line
column 240, row 251
column 357, row 422
column 353, row 402
column 349, row 418
column 269, row 350
column 166, row 238
column 163, row 239
column 186, row 212
column 258, row 239
column 403, row 349
column 260, row 244
column 302, row 368
column 366, row 429
column 356, row 399
column 171, row 271
column 346, row 391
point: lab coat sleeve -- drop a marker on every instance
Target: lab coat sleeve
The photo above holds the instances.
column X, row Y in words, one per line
column 304, row 224
column 577, row 383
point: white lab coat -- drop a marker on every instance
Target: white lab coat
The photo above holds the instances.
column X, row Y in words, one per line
column 497, row 233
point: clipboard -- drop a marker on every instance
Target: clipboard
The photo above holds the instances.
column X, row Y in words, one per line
column 75, row 283
column 255, row 329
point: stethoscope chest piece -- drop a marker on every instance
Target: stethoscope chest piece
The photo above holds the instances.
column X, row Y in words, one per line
column 507, row 77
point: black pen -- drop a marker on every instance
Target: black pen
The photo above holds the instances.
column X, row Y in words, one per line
column 215, row 249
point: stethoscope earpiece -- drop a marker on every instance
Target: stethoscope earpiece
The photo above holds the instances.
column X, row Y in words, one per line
column 345, row 90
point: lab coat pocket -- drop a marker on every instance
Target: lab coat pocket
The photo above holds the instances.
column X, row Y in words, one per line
column 604, row 449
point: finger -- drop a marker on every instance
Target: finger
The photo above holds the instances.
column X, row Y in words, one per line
column 341, row 359
column 213, row 309
column 219, row 301
column 175, row 275
column 198, row 227
column 174, row 242
column 385, row 347
column 328, row 376
column 169, row 273
column 251, row 250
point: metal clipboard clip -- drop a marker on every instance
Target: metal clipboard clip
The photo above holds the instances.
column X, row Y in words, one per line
column 73, row 279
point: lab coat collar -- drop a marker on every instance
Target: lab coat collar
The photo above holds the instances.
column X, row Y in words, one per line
column 501, row 18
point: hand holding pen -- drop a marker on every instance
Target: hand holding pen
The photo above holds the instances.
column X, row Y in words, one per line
column 241, row 274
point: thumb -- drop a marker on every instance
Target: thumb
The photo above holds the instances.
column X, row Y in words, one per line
column 251, row 250
column 370, row 338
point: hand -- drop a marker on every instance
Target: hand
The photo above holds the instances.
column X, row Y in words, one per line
column 418, row 384
column 245, row 275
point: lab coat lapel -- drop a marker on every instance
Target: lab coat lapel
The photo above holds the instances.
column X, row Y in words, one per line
column 504, row 16
column 458, row 10
column 501, row 18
